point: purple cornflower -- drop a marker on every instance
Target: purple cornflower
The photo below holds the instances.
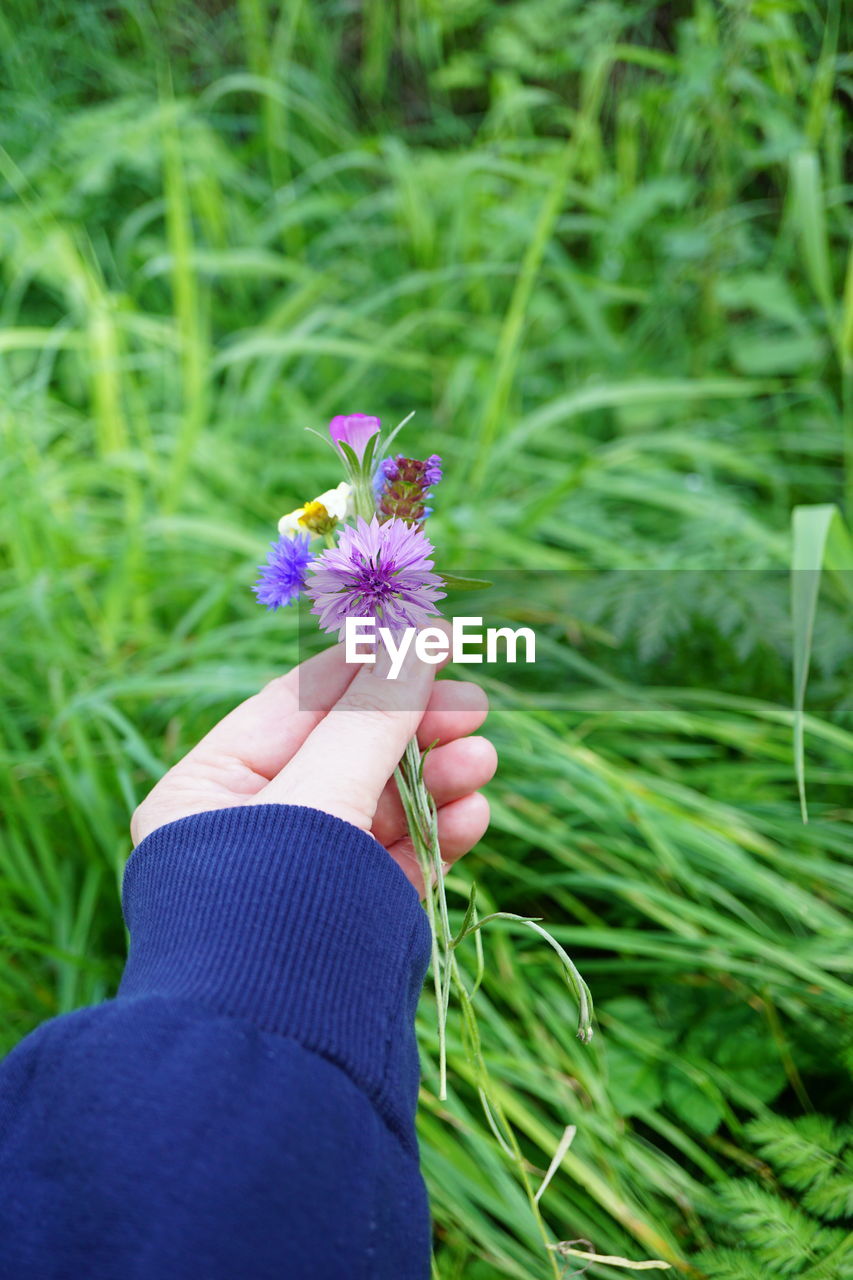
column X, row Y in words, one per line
column 283, row 576
column 381, row 571
column 354, row 429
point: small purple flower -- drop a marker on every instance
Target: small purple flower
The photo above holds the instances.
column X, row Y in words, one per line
column 282, row 578
column 381, row 571
column 354, row 429
column 389, row 469
column 432, row 474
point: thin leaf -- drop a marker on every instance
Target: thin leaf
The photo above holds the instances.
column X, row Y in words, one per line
column 369, row 451
column 817, row 532
column 562, row 1147
column 454, row 583
column 327, row 439
column 470, row 914
column 389, row 440
column 810, row 218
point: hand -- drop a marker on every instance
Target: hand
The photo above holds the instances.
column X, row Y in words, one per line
column 328, row 738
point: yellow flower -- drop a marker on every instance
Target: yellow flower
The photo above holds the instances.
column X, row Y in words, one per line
column 319, row 516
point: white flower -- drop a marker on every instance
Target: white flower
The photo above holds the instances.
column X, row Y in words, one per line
column 336, row 504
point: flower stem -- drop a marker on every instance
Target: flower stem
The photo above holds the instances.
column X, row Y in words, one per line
column 363, row 500
column 422, row 820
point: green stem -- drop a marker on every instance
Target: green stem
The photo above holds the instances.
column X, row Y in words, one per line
column 364, row 503
column 421, row 818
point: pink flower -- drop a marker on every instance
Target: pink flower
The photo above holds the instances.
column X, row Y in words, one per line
column 354, row 429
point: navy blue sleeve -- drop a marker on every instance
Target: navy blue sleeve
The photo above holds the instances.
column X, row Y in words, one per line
column 244, row 1108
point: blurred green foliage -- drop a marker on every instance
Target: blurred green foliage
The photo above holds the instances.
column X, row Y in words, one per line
column 601, row 248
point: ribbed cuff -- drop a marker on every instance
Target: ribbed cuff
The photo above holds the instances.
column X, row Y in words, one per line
column 291, row 919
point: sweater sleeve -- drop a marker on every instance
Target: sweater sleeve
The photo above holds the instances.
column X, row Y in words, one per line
column 245, row 1106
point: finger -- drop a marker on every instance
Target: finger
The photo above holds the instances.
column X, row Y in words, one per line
column 450, row 772
column 461, row 825
column 455, row 708
column 266, row 730
column 345, row 762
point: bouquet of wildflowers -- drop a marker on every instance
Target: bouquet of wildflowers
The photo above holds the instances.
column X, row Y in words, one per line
column 360, row 551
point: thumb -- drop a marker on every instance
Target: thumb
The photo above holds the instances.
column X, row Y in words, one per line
column 345, row 762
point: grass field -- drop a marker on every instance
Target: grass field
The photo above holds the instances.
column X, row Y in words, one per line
column 602, row 250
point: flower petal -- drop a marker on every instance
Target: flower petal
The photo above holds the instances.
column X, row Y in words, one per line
column 354, row 429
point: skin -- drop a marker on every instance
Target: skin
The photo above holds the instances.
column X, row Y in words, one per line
column 329, row 736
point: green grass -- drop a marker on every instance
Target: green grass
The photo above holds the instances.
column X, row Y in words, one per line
column 602, row 250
